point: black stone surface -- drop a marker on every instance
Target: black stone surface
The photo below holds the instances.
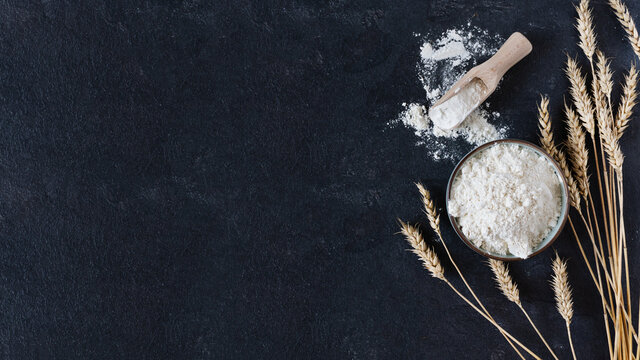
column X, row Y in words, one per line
column 216, row 180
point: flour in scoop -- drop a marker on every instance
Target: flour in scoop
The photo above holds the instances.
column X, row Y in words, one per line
column 506, row 199
column 453, row 111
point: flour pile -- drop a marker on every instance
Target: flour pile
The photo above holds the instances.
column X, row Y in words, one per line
column 506, row 199
column 442, row 63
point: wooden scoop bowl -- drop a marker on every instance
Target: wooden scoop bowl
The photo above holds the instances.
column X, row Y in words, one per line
column 491, row 71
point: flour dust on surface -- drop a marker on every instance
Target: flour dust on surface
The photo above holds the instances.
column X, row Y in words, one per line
column 444, row 59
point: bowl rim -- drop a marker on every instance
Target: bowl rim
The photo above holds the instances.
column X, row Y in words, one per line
column 565, row 187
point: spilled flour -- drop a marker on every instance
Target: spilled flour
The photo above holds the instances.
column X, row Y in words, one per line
column 443, row 61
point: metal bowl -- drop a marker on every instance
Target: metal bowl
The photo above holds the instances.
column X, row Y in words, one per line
column 553, row 234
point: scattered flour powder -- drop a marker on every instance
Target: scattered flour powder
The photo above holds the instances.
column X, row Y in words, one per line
column 442, row 62
column 506, row 199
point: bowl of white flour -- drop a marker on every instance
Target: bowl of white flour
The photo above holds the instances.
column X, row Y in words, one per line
column 507, row 200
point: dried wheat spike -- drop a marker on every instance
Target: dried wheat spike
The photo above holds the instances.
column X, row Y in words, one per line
column 546, row 139
column 577, row 149
column 612, row 148
column 544, row 125
column 504, row 280
column 604, row 120
column 580, row 95
column 627, row 102
column 562, row 290
column 430, row 209
column 605, row 76
column 574, row 193
column 627, row 23
column 425, row 253
column 584, row 25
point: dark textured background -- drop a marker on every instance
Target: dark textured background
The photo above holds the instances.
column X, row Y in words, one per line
column 209, row 179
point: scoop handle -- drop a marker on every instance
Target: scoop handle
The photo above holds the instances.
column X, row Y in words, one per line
column 513, row 50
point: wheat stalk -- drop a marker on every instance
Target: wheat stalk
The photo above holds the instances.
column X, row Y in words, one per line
column 627, row 23
column 610, row 129
column 510, row 290
column 562, row 290
column 609, row 145
column 576, row 144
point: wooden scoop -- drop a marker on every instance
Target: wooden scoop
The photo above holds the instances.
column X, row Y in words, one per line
column 491, row 71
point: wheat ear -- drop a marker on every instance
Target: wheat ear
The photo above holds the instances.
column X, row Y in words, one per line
column 562, row 290
column 544, row 125
column 584, row 24
column 510, row 290
column 580, row 95
column 429, row 259
column 606, row 123
column 605, row 75
column 548, row 144
column 627, row 23
column 627, row 102
column 430, row 209
column 577, row 150
column 612, row 148
column 504, row 281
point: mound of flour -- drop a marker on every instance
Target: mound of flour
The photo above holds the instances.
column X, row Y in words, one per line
column 442, row 62
column 506, row 199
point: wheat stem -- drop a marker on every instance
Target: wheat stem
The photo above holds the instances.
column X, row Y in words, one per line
column 537, row 331
column 573, row 350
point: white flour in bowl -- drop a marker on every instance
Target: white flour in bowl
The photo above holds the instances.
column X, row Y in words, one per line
column 506, row 199
column 443, row 60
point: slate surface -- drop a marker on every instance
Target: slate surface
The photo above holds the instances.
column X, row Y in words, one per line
column 216, row 180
